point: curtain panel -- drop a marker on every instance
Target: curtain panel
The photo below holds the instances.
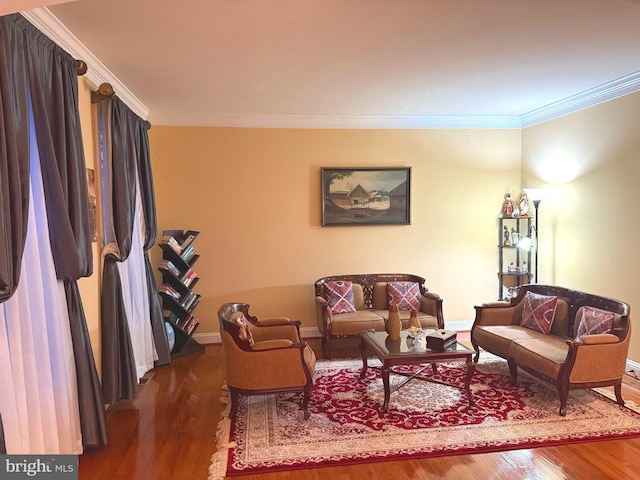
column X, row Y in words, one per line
column 51, row 76
column 125, row 173
column 14, row 153
column 147, row 192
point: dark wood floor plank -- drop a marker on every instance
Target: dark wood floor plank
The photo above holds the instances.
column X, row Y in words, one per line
column 169, row 432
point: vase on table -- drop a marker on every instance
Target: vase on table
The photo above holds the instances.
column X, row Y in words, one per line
column 394, row 325
column 413, row 320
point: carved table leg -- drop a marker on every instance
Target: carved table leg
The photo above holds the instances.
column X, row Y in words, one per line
column 363, row 353
column 387, row 390
column 471, row 367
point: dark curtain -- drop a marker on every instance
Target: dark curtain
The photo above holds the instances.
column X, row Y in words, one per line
column 14, row 160
column 129, row 146
column 147, row 193
column 14, row 154
column 119, row 377
column 53, row 90
column 54, row 95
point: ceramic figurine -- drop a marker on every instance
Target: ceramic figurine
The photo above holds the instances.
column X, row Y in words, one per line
column 507, row 205
column 506, row 237
column 524, row 205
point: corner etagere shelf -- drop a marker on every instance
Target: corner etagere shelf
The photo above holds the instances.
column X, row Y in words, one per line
column 176, row 292
column 521, row 226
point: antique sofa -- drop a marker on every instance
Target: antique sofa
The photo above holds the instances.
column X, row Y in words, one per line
column 371, row 302
column 586, row 345
column 264, row 356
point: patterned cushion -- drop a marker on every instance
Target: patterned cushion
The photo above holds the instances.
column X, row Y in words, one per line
column 244, row 333
column 594, row 321
column 406, row 295
column 339, row 296
column 538, row 312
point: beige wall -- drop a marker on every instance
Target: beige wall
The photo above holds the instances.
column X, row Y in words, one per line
column 90, row 286
column 590, row 160
column 255, row 196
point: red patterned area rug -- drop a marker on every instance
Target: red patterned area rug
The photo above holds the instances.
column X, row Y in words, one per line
column 424, row 419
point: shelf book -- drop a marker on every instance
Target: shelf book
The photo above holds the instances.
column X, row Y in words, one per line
column 176, row 291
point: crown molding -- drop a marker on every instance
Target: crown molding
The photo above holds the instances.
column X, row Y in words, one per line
column 341, row 121
column 97, row 73
column 600, row 94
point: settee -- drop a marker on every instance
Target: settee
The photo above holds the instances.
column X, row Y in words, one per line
column 370, row 304
column 586, row 344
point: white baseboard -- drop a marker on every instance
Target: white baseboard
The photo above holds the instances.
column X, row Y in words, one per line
column 633, row 367
column 313, row 332
column 458, row 325
column 207, row 338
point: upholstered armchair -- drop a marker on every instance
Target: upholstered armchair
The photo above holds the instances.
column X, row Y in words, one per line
column 264, row 356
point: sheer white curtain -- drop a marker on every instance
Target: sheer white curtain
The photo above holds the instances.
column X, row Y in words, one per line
column 39, row 399
column 136, row 302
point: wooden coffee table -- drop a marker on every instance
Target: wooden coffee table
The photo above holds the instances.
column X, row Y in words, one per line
column 409, row 351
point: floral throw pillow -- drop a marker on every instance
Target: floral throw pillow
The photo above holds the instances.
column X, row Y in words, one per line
column 538, row 312
column 339, row 296
column 406, row 295
column 594, row 321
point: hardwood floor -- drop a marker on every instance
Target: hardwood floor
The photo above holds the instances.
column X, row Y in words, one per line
column 168, row 432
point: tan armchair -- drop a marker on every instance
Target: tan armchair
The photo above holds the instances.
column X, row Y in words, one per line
column 264, row 356
column 568, row 362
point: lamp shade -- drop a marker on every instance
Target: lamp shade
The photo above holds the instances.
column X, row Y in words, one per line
column 525, row 243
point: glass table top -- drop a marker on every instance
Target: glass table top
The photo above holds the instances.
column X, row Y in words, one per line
column 406, row 345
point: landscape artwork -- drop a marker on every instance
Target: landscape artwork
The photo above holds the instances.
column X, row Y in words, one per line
column 366, row 196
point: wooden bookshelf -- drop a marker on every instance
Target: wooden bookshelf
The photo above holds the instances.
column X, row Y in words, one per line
column 176, row 291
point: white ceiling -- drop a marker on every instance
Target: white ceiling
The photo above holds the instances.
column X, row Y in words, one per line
column 361, row 62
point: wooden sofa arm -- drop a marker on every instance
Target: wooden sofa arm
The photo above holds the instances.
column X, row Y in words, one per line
column 323, row 315
column 289, row 331
column 431, row 304
column 596, row 362
column 599, row 339
column 273, row 321
column 272, row 344
column 494, row 313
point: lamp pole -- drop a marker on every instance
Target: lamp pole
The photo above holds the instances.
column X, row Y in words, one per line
column 535, row 204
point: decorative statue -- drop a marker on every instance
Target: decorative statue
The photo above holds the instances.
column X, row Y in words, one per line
column 507, row 206
column 515, row 237
column 524, row 205
column 506, row 237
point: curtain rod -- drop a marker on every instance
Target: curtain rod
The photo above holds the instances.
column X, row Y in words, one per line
column 104, row 92
column 82, row 67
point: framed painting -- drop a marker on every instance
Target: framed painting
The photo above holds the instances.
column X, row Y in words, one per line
column 366, row 196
